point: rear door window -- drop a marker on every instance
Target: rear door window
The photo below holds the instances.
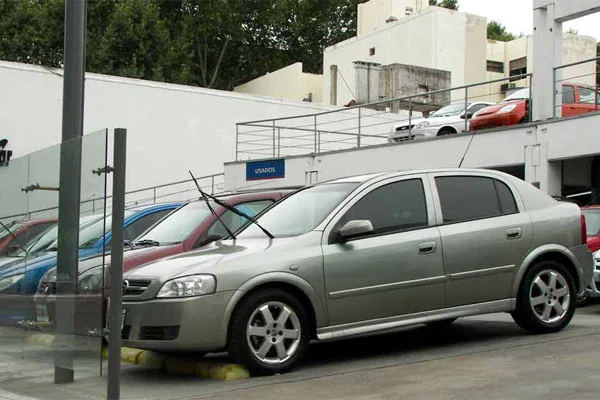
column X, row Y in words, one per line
column 466, row 198
column 568, row 94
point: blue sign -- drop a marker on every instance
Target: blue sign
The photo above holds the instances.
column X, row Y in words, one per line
column 268, row 169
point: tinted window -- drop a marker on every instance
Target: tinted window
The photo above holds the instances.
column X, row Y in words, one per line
column 395, row 207
column 588, row 96
column 568, row 94
column 465, row 198
column 234, row 221
column 138, row 227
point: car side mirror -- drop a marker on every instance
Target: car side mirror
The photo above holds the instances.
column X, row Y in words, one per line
column 356, row 228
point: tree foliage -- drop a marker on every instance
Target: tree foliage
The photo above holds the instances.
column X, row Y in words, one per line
column 450, row 4
column 209, row 43
column 497, row 31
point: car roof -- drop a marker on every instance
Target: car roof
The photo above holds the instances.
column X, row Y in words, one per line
column 138, row 208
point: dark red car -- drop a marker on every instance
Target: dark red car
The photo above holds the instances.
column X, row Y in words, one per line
column 19, row 234
column 189, row 227
column 514, row 109
column 592, row 221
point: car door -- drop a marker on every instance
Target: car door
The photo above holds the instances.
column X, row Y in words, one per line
column 485, row 235
column 396, row 269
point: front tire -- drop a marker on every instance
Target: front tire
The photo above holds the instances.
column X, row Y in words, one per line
column 269, row 332
column 547, row 298
column 446, row 131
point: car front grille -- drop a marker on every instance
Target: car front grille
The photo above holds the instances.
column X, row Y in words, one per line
column 404, row 128
column 159, row 332
column 135, row 287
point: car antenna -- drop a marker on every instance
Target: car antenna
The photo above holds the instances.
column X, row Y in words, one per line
column 233, row 209
column 11, row 233
column 212, row 211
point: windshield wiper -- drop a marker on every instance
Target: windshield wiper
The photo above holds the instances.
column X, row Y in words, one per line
column 13, row 236
column 234, row 210
column 147, row 242
column 212, row 211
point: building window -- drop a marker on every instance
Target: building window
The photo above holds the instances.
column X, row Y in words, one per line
column 495, row 66
column 518, row 67
column 372, row 51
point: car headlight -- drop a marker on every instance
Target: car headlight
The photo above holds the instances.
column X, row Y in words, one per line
column 423, row 124
column 507, row 109
column 11, row 280
column 92, row 280
column 188, row 286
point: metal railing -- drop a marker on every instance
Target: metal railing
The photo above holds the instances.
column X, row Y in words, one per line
column 568, row 80
column 214, row 184
column 362, row 125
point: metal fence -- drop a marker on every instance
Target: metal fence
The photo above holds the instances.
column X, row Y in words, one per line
column 576, row 88
column 376, row 123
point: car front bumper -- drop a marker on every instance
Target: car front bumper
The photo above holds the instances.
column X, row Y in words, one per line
column 185, row 324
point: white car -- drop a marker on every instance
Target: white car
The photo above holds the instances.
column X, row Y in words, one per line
column 445, row 121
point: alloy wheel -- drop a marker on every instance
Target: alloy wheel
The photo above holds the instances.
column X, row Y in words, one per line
column 549, row 296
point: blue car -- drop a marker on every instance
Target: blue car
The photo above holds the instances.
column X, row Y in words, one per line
column 20, row 277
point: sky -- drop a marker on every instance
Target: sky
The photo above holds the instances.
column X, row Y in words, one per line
column 517, row 16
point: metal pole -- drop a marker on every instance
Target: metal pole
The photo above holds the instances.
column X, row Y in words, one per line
column 358, row 139
column 116, row 265
column 315, row 132
column 553, row 93
column 278, row 142
column 530, row 108
column 212, row 184
column 466, row 106
column 70, row 186
column 410, row 118
column 274, row 138
column 154, row 194
column 237, row 136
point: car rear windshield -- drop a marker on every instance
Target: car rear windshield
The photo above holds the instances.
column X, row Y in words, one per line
column 302, row 211
column 592, row 222
column 453, row 109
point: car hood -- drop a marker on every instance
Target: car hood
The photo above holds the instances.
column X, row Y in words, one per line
column 20, row 265
column 495, row 108
column 208, row 258
column 452, row 119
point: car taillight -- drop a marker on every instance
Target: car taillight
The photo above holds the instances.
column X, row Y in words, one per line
column 583, row 230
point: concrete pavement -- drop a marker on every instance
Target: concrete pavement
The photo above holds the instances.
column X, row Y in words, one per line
column 480, row 357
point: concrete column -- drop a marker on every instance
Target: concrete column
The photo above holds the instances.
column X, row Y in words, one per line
column 547, row 175
column 333, row 69
column 547, row 53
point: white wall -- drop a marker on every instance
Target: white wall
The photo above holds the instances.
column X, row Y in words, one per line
column 172, row 128
column 434, row 38
column 288, row 82
column 372, row 15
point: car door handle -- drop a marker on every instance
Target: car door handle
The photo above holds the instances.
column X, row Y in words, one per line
column 513, row 233
column 427, row 248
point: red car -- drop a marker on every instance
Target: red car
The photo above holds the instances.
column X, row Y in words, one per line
column 189, row 227
column 514, row 109
column 592, row 221
column 19, row 234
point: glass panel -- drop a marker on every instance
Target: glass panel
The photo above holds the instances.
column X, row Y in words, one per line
column 465, row 198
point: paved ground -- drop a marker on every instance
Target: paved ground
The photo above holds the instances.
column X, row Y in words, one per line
column 480, row 357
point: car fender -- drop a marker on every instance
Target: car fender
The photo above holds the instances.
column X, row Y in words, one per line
column 539, row 251
column 276, row 277
column 450, row 126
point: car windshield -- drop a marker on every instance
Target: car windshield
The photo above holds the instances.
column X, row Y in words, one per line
column 592, row 222
column 448, row 111
column 11, row 229
column 301, row 212
column 89, row 235
column 521, row 94
column 179, row 224
column 49, row 239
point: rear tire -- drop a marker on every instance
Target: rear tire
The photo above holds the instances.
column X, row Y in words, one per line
column 547, row 298
column 269, row 332
column 446, row 131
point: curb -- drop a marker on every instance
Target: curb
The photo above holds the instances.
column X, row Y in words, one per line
column 182, row 365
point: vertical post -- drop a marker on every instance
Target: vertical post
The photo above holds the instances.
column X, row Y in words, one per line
column 154, row 194
column 333, row 69
column 274, row 138
column 554, row 94
column 358, row 138
column 116, row 265
column 212, row 184
column 315, row 133
column 70, row 186
column 237, row 136
column 530, row 107
column 466, row 106
column 278, row 142
column 409, row 118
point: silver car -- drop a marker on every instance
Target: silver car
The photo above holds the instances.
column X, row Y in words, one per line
column 365, row 255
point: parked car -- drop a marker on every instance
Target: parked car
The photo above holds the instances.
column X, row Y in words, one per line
column 445, row 121
column 189, row 227
column 400, row 131
column 19, row 280
column 514, row 109
column 365, row 255
column 592, row 218
column 21, row 233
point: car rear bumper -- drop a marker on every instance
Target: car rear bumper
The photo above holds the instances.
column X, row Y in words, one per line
column 176, row 324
